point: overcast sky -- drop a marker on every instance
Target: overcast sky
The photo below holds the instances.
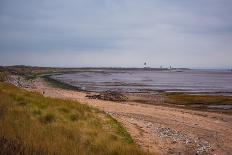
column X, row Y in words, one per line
column 117, row 33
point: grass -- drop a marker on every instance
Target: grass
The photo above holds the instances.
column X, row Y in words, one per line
column 187, row 99
column 33, row 124
column 3, row 76
column 199, row 102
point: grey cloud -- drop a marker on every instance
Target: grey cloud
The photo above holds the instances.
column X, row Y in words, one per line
column 154, row 30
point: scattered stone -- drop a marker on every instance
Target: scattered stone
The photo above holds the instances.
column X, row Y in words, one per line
column 21, row 82
column 201, row 146
column 149, row 125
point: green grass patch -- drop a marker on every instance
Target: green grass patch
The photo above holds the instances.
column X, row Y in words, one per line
column 187, row 99
column 121, row 130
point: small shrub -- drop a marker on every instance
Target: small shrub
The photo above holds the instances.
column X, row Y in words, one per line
column 4, row 76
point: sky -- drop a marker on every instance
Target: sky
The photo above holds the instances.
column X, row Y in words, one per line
column 116, row 33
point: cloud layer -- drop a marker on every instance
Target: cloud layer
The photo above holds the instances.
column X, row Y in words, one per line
column 123, row 33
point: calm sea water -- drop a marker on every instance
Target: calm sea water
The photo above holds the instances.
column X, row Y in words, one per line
column 146, row 80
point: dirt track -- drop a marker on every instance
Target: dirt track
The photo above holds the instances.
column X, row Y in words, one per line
column 160, row 129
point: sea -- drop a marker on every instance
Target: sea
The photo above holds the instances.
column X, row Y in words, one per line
column 146, row 80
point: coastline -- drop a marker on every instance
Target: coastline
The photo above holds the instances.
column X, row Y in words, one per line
column 156, row 97
column 151, row 126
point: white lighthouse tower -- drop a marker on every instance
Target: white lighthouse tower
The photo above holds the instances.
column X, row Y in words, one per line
column 145, row 65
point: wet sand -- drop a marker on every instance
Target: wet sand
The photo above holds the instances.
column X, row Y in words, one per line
column 189, row 81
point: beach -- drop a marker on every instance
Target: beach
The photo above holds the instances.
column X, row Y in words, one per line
column 116, row 77
column 159, row 129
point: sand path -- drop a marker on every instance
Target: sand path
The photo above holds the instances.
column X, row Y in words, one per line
column 160, row 129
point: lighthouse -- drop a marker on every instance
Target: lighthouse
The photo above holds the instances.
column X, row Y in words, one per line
column 145, row 65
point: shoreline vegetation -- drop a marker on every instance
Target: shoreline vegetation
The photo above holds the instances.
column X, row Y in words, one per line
column 33, row 124
column 205, row 102
column 178, row 99
column 58, row 84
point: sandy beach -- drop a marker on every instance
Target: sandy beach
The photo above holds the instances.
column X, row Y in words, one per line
column 156, row 128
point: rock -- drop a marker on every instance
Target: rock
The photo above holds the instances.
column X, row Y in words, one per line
column 149, row 125
column 109, row 96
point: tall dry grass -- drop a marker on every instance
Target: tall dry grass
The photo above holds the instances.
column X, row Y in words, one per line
column 33, row 124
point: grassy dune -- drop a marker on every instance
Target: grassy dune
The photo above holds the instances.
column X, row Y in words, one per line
column 33, row 124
